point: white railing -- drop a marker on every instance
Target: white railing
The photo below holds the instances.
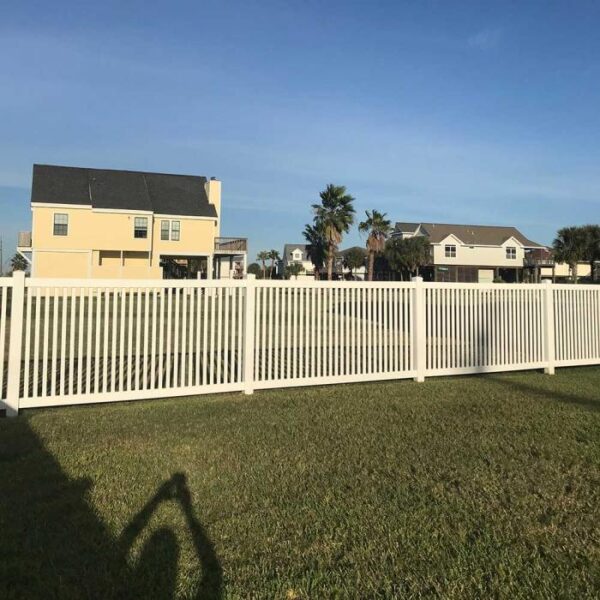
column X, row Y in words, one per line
column 82, row 341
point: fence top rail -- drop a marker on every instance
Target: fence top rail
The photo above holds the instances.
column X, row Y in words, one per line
column 36, row 282
column 484, row 286
column 511, row 286
column 593, row 287
column 133, row 284
column 311, row 283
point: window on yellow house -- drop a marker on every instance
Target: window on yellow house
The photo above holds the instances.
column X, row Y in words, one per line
column 61, row 224
column 170, row 230
column 164, row 230
column 140, row 228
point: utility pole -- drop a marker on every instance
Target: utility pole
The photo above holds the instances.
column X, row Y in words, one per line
column 1, row 260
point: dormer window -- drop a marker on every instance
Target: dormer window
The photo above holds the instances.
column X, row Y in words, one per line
column 511, row 253
column 450, row 251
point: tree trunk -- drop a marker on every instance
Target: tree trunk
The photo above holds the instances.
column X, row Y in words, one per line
column 574, row 272
column 371, row 265
column 330, row 259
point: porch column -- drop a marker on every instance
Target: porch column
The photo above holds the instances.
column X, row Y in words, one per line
column 209, row 266
column 244, row 265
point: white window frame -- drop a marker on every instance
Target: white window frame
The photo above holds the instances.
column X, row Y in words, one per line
column 135, row 228
column 166, row 230
column 173, row 232
column 65, row 224
column 450, row 250
column 511, row 253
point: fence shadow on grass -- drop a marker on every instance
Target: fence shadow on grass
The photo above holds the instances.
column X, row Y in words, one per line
column 547, row 391
column 54, row 545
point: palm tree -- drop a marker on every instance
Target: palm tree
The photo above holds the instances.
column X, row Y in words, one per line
column 274, row 256
column 263, row 256
column 316, row 247
column 378, row 228
column 570, row 247
column 18, row 263
column 335, row 214
column 592, row 233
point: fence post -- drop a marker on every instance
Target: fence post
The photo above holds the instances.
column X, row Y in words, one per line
column 418, row 328
column 549, row 340
column 250, row 314
column 13, row 384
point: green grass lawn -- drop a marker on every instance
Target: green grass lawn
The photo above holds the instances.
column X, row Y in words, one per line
column 483, row 487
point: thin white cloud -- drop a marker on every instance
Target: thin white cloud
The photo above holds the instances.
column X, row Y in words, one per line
column 484, row 39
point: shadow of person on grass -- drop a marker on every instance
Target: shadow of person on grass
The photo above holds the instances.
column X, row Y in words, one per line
column 54, row 545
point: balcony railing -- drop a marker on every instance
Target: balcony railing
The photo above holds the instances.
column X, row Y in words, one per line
column 231, row 244
column 538, row 262
column 24, row 239
column 538, row 258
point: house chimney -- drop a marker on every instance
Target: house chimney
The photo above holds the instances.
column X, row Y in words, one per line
column 213, row 191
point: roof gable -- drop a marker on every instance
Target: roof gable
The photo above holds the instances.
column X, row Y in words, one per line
column 512, row 240
column 406, row 227
column 288, row 250
column 451, row 239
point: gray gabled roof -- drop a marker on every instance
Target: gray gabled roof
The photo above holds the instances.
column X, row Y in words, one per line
column 289, row 248
column 480, row 235
column 406, row 227
column 160, row 193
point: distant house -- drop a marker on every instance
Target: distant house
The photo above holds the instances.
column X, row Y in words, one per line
column 296, row 253
column 479, row 253
column 101, row 223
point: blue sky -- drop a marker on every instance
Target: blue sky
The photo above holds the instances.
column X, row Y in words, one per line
column 469, row 112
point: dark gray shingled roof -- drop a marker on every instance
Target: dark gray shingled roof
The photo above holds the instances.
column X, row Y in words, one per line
column 407, row 227
column 289, row 248
column 122, row 190
column 485, row 235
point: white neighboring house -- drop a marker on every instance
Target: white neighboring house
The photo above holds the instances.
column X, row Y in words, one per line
column 479, row 253
column 296, row 253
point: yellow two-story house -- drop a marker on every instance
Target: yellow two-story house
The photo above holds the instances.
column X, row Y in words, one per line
column 102, row 223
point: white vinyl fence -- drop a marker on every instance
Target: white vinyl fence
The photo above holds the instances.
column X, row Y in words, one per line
column 82, row 341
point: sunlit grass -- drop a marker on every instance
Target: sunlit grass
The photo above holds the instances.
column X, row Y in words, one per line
column 459, row 487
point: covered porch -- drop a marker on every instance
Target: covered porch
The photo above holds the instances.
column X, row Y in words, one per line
column 228, row 261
